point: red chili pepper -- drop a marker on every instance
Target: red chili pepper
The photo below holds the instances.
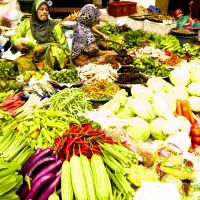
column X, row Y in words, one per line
column 69, row 144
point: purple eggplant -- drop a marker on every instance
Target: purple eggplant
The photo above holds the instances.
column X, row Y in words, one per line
column 35, row 158
column 26, row 165
column 41, row 183
column 51, row 168
column 49, row 190
column 42, row 162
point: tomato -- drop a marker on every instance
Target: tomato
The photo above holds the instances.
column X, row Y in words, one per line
column 194, row 146
column 196, row 140
column 195, row 131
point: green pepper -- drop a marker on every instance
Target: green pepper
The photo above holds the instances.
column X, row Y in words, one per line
column 95, row 125
column 82, row 119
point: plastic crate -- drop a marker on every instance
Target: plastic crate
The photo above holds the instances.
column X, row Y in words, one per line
column 121, row 8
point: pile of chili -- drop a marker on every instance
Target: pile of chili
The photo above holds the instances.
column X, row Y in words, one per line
column 81, row 139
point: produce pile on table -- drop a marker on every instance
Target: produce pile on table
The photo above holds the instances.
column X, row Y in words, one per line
column 54, row 145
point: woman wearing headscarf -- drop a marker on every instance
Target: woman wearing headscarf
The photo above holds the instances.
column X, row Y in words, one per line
column 84, row 47
column 51, row 47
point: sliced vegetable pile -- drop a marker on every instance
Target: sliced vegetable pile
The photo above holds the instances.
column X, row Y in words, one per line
column 100, row 89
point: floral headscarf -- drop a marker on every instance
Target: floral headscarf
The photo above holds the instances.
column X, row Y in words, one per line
column 41, row 31
column 83, row 35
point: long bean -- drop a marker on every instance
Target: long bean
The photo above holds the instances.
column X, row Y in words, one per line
column 70, row 100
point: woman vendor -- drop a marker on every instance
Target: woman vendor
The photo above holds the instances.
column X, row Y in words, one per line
column 84, row 47
column 51, row 49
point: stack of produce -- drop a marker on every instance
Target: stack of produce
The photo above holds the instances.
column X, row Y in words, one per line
column 42, row 175
column 91, row 159
column 70, row 100
column 14, row 148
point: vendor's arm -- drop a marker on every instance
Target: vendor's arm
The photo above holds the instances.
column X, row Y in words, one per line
column 19, row 33
column 59, row 37
column 95, row 30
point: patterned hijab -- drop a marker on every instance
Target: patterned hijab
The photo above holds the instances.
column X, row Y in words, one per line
column 41, row 31
column 83, row 35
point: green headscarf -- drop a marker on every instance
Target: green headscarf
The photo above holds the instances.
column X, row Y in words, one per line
column 40, row 30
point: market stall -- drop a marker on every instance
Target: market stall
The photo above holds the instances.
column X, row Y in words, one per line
column 125, row 126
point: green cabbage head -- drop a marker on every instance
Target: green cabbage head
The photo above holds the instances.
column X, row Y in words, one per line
column 138, row 129
column 157, row 126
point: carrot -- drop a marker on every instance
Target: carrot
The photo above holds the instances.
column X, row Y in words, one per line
column 191, row 117
column 178, row 107
column 185, row 109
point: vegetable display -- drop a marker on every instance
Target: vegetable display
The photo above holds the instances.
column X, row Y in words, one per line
column 58, row 147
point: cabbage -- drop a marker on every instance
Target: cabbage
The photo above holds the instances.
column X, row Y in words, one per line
column 180, row 92
column 158, row 84
column 184, row 124
column 121, row 97
column 176, row 124
column 28, row 42
column 111, row 106
column 162, row 105
column 180, row 76
column 194, row 89
column 195, row 74
column 171, row 127
column 143, row 109
column 141, row 91
column 157, row 128
column 125, row 112
column 194, row 103
column 138, row 130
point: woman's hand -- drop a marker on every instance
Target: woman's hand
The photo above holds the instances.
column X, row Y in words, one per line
column 19, row 45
